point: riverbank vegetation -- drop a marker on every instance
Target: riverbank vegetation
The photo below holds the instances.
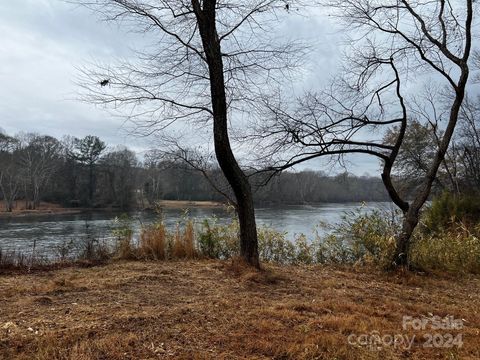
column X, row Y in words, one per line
column 448, row 240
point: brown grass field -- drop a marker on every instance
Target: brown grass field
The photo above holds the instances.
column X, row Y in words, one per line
column 223, row 310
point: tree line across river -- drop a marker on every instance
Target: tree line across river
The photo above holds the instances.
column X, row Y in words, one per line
column 87, row 173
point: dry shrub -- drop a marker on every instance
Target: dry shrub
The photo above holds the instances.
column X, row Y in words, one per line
column 14, row 260
column 153, row 240
column 126, row 250
column 184, row 242
column 92, row 250
column 178, row 250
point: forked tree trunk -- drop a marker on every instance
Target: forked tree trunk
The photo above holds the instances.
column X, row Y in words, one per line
column 223, row 151
column 412, row 216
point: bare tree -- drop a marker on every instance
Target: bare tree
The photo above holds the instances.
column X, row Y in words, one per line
column 396, row 43
column 9, row 174
column 421, row 141
column 468, row 144
column 119, row 168
column 209, row 62
column 199, row 159
column 37, row 160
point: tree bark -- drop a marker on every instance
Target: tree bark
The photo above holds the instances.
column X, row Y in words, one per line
column 412, row 216
column 410, row 222
column 223, row 151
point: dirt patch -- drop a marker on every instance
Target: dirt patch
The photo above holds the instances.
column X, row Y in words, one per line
column 223, row 310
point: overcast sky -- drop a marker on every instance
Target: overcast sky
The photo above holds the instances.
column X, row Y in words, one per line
column 45, row 41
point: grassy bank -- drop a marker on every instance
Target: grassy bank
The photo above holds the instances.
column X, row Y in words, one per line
column 220, row 310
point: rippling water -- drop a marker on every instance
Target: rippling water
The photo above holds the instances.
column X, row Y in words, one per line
column 50, row 231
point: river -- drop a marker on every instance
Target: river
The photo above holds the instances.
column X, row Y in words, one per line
column 48, row 232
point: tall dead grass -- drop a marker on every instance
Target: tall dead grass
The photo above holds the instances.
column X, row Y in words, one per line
column 184, row 242
column 153, row 241
column 157, row 243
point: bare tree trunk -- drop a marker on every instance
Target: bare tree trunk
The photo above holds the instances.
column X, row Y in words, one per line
column 9, row 206
column 91, row 184
column 410, row 221
column 27, row 201
column 9, row 197
column 36, row 196
column 232, row 171
column 412, row 216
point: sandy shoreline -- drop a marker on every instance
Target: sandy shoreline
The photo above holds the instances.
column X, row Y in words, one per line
column 42, row 212
column 57, row 210
column 188, row 204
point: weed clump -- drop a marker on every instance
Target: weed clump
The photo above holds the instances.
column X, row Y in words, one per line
column 153, row 239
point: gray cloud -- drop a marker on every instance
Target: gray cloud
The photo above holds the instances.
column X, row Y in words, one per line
column 45, row 41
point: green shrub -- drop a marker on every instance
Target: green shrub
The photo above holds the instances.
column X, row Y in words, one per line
column 304, row 251
column 365, row 238
column 219, row 241
column 208, row 240
column 450, row 209
column 456, row 249
column 359, row 237
column 273, row 246
column 331, row 249
column 123, row 232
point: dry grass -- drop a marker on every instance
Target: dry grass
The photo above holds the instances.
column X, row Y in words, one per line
column 184, row 242
column 153, row 240
column 126, row 250
column 189, row 240
column 225, row 310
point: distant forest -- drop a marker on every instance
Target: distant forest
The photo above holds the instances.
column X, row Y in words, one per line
column 182, row 183
column 86, row 173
